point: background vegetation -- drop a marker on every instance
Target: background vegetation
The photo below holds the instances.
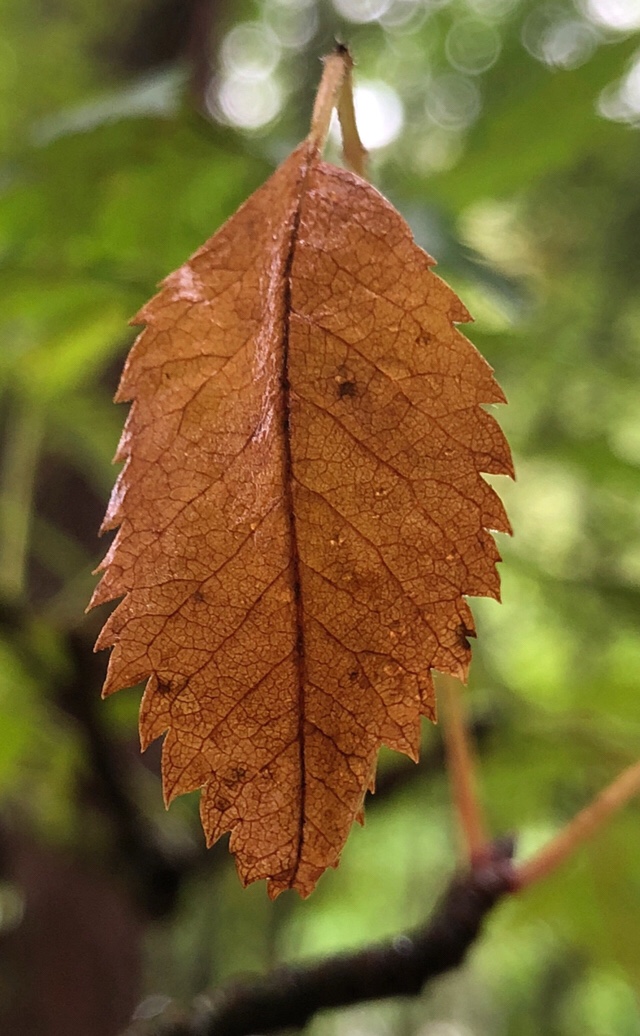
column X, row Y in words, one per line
column 506, row 131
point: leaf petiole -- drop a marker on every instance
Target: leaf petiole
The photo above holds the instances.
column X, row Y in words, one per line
column 336, row 91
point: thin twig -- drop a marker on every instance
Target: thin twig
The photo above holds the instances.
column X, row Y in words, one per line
column 583, row 826
column 461, row 768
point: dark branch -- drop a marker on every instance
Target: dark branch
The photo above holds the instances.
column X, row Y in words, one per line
column 289, row 996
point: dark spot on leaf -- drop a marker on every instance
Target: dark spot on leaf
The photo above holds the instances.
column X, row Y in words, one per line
column 235, row 775
column 346, row 388
column 173, row 685
column 345, row 381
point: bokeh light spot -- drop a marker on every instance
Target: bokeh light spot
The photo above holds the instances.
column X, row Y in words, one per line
column 402, row 14
column 295, row 26
column 247, row 103
column 379, row 114
column 620, row 101
column 453, row 101
column 472, row 46
column 622, row 15
column 557, row 40
column 362, row 11
column 250, row 51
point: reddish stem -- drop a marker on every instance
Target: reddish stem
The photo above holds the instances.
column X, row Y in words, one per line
column 461, row 769
column 583, row 826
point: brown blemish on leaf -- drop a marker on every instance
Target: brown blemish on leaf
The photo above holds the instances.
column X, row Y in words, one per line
column 300, row 565
column 237, row 774
column 346, row 385
column 346, row 388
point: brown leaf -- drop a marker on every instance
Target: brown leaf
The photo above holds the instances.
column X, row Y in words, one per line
column 301, row 513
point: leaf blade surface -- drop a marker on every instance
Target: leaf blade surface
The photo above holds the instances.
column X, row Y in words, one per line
column 301, row 513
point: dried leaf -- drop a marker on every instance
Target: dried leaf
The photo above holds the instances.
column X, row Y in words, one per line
column 301, row 513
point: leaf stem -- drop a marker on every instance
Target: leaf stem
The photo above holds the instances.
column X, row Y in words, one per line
column 353, row 149
column 336, row 91
column 461, row 769
column 583, row 826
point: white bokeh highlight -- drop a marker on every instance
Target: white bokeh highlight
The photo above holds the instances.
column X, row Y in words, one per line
column 362, row 11
column 620, row 15
column 379, row 115
column 249, row 104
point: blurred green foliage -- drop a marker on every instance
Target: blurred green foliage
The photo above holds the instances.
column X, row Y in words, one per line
column 514, row 153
